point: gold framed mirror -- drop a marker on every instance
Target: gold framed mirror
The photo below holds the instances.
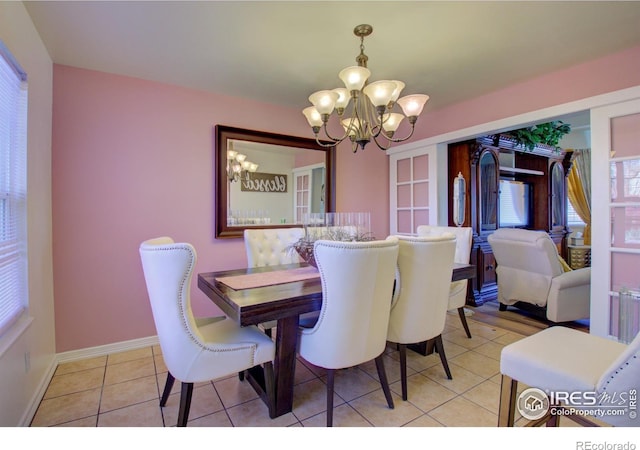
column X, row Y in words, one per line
column 290, row 176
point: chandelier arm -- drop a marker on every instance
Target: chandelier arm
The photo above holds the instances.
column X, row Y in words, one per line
column 377, row 129
column 413, row 127
column 322, row 144
column 380, row 146
column 392, row 140
column 336, row 140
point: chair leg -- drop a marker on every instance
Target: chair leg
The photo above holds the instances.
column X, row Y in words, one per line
column 241, row 375
column 270, row 388
column 330, row 383
column 507, row 408
column 168, row 385
column 382, row 374
column 443, row 357
column 554, row 421
column 403, row 369
column 185, row 404
column 463, row 319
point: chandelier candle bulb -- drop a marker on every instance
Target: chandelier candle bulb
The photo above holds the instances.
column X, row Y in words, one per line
column 370, row 116
column 412, row 104
column 350, row 126
column 391, row 122
column 399, row 87
column 313, row 117
column 380, row 92
column 324, row 101
column 343, row 99
column 354, row 77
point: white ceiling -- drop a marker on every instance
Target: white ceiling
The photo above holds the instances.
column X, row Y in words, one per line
column 281, row 52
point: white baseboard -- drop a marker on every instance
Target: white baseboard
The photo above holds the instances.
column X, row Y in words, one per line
column 102, row 350
column 38, row 395
column 77, row 355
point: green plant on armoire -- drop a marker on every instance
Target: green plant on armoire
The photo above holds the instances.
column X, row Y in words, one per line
column 548, row 133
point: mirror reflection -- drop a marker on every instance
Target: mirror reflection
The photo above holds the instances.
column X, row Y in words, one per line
column 287, row 183
column 557, row 195
column 488, row 194
column 269, row 180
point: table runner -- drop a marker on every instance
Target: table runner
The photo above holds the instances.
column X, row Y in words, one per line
column 261, row 279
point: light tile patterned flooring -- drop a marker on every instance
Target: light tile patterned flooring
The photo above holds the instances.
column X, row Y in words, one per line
column 123, row 390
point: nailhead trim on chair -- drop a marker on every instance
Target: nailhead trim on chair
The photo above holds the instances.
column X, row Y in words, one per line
column 183, row 283
column 627, row 363
column 339, row 244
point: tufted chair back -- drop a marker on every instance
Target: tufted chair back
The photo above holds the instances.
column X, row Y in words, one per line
column 425, row 264
column 189, row 355
column 270, row 246
column 357, row 284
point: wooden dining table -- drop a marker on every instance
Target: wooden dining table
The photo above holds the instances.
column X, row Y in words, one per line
column 254, row 299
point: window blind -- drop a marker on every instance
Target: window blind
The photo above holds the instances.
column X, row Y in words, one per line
column 572, row 216
column 13, row 186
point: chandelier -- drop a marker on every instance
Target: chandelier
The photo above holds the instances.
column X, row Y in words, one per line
column 237, row 165
column 370, row 117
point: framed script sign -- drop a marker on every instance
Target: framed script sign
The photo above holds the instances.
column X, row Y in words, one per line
column 264, row 182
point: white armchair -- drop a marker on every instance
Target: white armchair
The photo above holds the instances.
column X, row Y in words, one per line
column 530, row 275
column 458, row 289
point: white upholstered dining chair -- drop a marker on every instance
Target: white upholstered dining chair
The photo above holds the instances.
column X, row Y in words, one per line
column 565, row 360
column 196, row 350
column 357, row 284
column 458, row 290
column 271, row 246
column 421, row 297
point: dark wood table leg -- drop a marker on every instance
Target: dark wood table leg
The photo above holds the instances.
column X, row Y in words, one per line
column 285, row 364
column 424, row 348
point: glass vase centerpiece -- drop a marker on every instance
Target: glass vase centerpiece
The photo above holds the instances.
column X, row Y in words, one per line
column 336, row 226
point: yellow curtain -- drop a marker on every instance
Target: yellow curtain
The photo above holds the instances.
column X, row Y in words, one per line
column 579, row 188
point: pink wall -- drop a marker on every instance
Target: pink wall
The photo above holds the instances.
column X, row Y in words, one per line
column 132, row 159
column 610, row 73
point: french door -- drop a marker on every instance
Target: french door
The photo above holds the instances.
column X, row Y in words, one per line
column 413, row 187
column 302, row 194
column 615, row 242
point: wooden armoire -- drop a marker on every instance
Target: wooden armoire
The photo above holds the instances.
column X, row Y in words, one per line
column 493, row 163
